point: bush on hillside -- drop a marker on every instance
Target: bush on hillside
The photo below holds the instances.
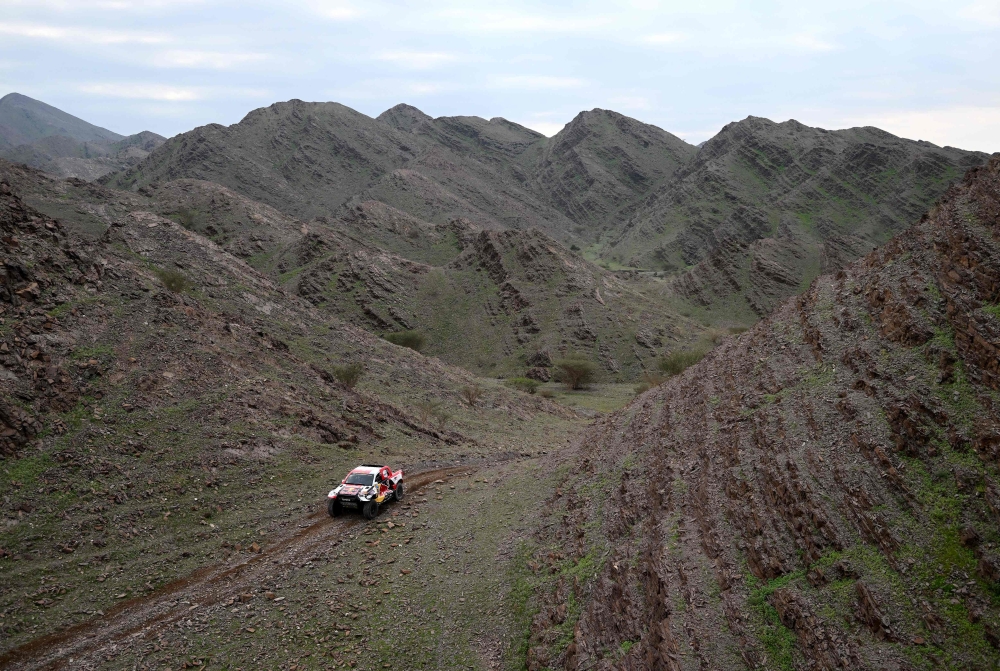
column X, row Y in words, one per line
column 471, row 395
column 426, row 409
column 173, row 280
column 575, row 371
column 411, row 339
column 525, row 384
column 648, row 381
column 349, row 374
column 679, row 361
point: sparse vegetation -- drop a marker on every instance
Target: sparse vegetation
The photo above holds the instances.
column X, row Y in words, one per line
column 575, row 371
column 525, row 384
column 648, row 381
column 426, row 409
column 472, row 394
column 677, row 362
column 412, row 339
column 174, row 280
column 349, row 374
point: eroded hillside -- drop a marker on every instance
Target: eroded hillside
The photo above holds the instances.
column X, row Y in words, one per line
column 822, row 492
column 171, row 419
column 485, row 299
column 764, row 207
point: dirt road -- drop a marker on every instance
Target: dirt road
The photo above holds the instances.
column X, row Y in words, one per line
column 89, row 644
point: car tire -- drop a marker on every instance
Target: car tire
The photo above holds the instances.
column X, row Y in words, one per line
column 398, row 494
column 370, row 510
column 333, row 508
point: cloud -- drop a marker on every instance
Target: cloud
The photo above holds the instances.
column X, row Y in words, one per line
column 89, row 5
column 546, row 128
column 382, row 89
column 337, row 10
column 476, row 20
column 966, row 127
column 209, row 60
column 539, row 82
column 982, row 13
column 810, row 42
column 417, row 60
column 78, row 34
column 160, row 92
column 630, row 103
column 659, row 39
column 168, row 93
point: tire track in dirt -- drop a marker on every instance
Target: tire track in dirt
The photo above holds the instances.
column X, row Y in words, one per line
column 89, row 642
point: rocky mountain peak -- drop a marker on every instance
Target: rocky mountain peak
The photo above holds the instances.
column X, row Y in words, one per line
column 403, row 116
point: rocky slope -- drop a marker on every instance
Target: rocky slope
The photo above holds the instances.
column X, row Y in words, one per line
column 166, row 408
column 763, row 208
column 603, row 163
column 822, row 492
column 487, row 300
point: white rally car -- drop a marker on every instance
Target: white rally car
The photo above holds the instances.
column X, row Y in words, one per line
column 365, row 489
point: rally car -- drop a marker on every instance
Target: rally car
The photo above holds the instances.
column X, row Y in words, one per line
column 365, row 489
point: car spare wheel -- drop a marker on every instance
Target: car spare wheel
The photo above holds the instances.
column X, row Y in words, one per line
column 399, row 492
column 333, row 508
column 371, row 510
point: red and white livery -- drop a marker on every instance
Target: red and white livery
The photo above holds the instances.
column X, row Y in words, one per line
column 366, row 489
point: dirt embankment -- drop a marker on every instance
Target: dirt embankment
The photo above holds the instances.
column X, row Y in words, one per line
column 820, row 493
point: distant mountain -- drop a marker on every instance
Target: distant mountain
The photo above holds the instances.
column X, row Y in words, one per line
column 602, row 163
column 64, row 157
column 763, row 208
column 46, row 138
column 24, row 120
column 741, row 222
column 312, row 159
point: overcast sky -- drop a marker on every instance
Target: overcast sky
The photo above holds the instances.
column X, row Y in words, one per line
column 924, row 70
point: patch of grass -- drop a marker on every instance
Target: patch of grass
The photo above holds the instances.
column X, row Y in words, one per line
column 992, row 310
column 173, row 280
column 411, row 339
column 525, row 384
column 677, row 362
column 349, row 374
column 25, row 471
column 777, row 639
column 95, row 352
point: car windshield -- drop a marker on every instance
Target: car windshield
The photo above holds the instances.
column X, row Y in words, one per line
column 366, row 479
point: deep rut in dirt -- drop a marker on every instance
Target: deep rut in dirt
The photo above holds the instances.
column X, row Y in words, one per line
column 87, row 644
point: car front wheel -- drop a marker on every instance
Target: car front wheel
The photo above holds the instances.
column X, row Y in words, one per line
column 370, row 510
column 399, row 492
column 333, row 508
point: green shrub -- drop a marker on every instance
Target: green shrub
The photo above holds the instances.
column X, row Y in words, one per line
column 525, row 384
column 677, row 362
column 546, row 393
column 174, row 280
column 411, row 339
column 575, row 371
column 349, row 374
column 648, row 381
